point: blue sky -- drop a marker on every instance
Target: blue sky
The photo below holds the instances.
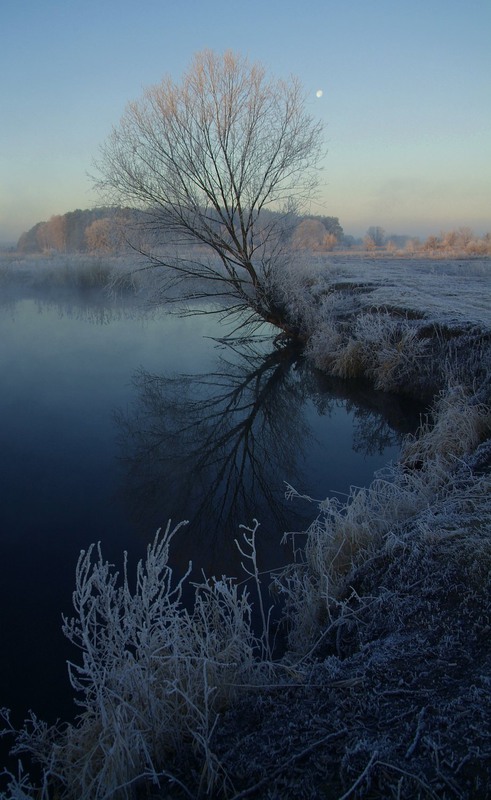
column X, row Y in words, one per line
column 406, row 97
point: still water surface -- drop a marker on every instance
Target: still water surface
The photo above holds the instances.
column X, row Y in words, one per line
column 112, row 422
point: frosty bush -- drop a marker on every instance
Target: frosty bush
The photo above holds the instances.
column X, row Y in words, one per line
column 385, row 349
column 153, row 676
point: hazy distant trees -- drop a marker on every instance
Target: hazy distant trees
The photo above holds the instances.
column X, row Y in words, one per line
column 317, row 233
column 205, row 158
column 103, row 230
column 107, row 234
column 310, row 234
column 53, row 234
column 73, row 232
column 375, row 237
column 431, row 243
column 331, row 224
column 44, row 236
column 459, row 241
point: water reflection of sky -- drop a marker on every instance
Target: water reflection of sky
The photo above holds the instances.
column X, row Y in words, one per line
column 79, row 461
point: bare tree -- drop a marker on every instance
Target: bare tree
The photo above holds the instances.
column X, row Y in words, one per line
column 206, row 160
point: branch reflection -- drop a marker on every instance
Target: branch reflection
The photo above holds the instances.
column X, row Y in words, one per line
column 217, row 449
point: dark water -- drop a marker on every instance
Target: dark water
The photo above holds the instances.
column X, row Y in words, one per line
column 111, row 423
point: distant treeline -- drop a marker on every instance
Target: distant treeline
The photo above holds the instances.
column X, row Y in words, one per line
column 77, row 231
column 460, row 241
column 104, row 230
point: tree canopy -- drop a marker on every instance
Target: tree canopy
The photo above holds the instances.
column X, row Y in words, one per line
column 205, row 159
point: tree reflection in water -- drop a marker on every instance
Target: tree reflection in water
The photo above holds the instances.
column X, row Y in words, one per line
column 217, row 449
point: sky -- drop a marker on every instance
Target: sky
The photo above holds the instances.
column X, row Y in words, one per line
column 406, row 97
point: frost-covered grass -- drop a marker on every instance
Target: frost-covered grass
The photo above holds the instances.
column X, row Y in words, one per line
column 445, row 291
column 406, row 326
column 384, row 688
column 393, row 698
column 344, row 535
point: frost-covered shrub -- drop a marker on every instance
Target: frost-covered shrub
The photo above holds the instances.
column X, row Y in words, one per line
column 152, row 679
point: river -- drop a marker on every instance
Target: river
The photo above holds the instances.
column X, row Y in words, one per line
column 114, row 420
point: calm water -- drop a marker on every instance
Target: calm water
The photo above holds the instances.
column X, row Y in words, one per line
column 112, row 423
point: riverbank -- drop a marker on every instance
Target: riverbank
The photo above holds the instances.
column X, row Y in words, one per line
column 389, row 689
column 392, row 699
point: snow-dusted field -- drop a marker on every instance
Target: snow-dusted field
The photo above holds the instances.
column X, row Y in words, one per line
column 450, row 291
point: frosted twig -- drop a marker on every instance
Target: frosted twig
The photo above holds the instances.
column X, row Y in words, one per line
column 419, row 728
column 360, row 777
column 285, row 764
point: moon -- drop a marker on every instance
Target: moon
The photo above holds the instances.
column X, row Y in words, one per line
column 319, row 93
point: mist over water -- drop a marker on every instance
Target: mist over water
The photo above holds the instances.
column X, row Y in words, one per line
column 114, row 421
